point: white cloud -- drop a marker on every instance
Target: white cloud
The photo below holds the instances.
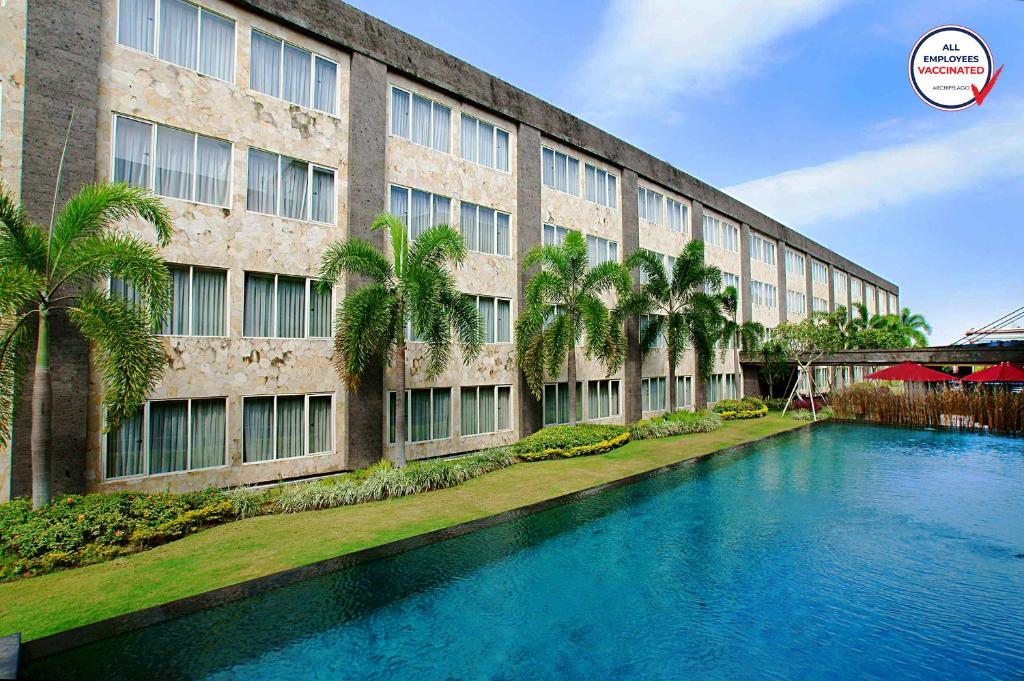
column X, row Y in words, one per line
column 654, row 50
column 930, row 167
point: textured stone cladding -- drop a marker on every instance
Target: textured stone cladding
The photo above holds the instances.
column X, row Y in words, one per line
column 232, row 238
column 12, row 90
column 419, row 167
column 727, row 261
column 762, row 271
column 819, row 289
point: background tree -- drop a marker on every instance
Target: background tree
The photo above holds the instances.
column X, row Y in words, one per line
column 64, row 269
column 415, row 287
column 682, row 311
column 775, row 364
column 747, row 335
column 804, row 342
column 563, row 302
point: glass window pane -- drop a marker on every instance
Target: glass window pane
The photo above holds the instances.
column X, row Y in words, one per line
column 125, row 450
column 613, row 191
column 486, row 307
column 468, row 412
column 294, row 176
column 295, row 85
column 135, row 24
column 261, row 188
column 503, row 228
column 174, row 158
column 179, row 32
column 399, row 112
column 441, row 138
column 486, row 223
column 208, row 295
column 442, row 211
column 467, row 138
column 168, row 436
column 548, row 167
column 590, row 179
column 392, row 408
column 325, row 75
column 291, row 432
column 176, row 322
column 420, row 214
column 323, row 195
column 550, row 404
column 467, row 223
column 131, row 151
column 217, row 46
column 486, row 409
column 504, row 408
column 265, row 64
column 421, row 120
column 420, row 415
column 504, row 334
column 400, row 204
column 501, row 150
column 291, row 307
column 258, row 429
column 573, row 177
column 208, row 433
column 320, row 304
column 213, row 170
column 486, row 144
column 321, row 424
column 563, row 402
column 258, row 315
column 442, row 426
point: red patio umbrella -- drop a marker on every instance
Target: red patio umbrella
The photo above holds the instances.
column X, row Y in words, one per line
column 909, row 371
column 1004, row 372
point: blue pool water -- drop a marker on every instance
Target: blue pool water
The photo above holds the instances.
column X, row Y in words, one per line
column 847, row 551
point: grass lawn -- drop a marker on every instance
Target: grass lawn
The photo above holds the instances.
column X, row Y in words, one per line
column 242, row 550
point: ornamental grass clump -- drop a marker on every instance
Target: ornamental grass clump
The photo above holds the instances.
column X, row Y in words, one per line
column 676, row 423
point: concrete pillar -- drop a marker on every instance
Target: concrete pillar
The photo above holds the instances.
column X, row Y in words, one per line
column 780, row 265
column 528, row 235
column 746, row 304
column 700, row 400
column 849, row 296
column 831, row 287
column 367, row 181
column 633, row 367
column 61, row 73
column 808, row 284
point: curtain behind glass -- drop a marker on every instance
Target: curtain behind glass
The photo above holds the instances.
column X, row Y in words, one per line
column 258, row 429
column 467, row 408
column 563, row 402
column 325, row 77
column 131, row 152
column 560, row 172
column 504, row 408
column 399, row 112
column 320, row 424
column 420, row 213
column 612, row 191
column 442, row 426
column 467, row 138
column 442, row 127
column 124, row 449
column 291, row 436
column 295, row 84
column 602, row 400
column 593, row 407
column 486, row 307
column 322, row 198
column 501, row 150
column 442, row 211
column 208, row 289
column 261, row 189
column 573, row 177
column 213, row 167
column 590, row 180
column 501, row 248
column 291, row 307
column 487, row 409
column 550, row 404
column 467, row 223
column 504, row 334
column 217, row 46
column 486, row 144
column 420, row 416
column 319, row 312
column 208, row 422
column 174, row 161
column 179, row 31
column 421, row 120
column 265, row 64
column 614, row 398
column 548, row 167
column 135, row 21
column 168, row 436
column 259, row 306
column 486, row 220
column 294, row 178
column 400, row 204
column 176, row 323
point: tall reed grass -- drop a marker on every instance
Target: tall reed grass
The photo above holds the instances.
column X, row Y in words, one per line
column 995, row 410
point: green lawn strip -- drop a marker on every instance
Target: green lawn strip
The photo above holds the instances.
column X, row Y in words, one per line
column 242, row 550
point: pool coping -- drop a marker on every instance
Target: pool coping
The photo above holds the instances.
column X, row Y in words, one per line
column 62, row 641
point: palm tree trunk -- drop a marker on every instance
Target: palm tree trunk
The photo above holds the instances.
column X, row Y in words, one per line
column 42, row 399
column 739, row 371
column 671, row 387
column 571, row 377
column 399, row 459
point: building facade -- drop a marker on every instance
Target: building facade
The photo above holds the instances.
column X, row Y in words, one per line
column 272, row 129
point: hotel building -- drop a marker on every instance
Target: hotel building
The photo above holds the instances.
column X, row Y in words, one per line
column 272, row 129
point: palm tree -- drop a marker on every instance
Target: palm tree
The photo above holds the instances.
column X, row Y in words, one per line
column 416, row 288
column 64, row 269
column 748, row 335
column 563, row 304
column 682, row 311
column 915, row 327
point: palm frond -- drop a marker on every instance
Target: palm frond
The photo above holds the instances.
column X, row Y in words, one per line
column 398, row 236
column 355, row 256
column 21, row 243
column 366, row 331
column 18, row 286
column 14, row 333
column 436, row 245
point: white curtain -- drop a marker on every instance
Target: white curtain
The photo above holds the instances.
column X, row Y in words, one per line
column 217, row 46
column 291, row 436
column 467, row 222
column 265, row 64
column 467, row 138
column 504, row 321
column 208, row 304
column 501, row 247
column 573, row 178
column 122, row 290
column 486, row 230
column 614, row 398
column 421, row 120
column 442, row 127
column 420, row 213
column 548, row 167
column 320, row 424
column 501, row 150
column 400, row 204
column 419, row 415
column 131, row 152
column 124, row 449
column 168, row 436
column 593, row 405
column 486, row 409
column 442, row 413
column 563, row 402
column 603, row 389
column 259, row 306
column 590, row 179
column 291, row 307
column 176, row 323
column 294, row 178
column 319, row 312
column 261, row 188
column 179, row 32
column 486, row 144
column 486, row 307
column 213, row 167
column 174, row 159
column 208, row 424
column 504, row 408
column 550, row 404
column 295, row 83
column 467, row 408
column 560, row 172
column 258, row 429
column 591, row 251
column 612, row 191
column 400, row 112
column 322, row 195
column 442, row 211
column 135, row 23
column 325, row 76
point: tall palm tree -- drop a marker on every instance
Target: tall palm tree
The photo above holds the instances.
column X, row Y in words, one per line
column 562, row 303
column 748, row 335
column 682, row 310
column 64, row 269
column 415, row 287
column 915, row 327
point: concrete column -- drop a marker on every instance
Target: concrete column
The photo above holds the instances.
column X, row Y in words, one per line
column 61, row 74
column 746, row 304
column 367, row 192
column 700, row 400
column 808, row 284
column 633, row 367
column 780, row 264
column 831, row 287
column 878, row 298
column 528, row 235
column 849, row 296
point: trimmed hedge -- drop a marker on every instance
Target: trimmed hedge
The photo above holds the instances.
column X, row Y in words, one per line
column 747, row 408
column 601, row 447
column 562, row 438
column 676, row 423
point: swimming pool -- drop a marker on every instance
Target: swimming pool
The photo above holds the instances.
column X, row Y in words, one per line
column 844, row 550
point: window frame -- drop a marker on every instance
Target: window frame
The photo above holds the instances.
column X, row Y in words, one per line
column 310, row 168
column 556, row 153
column 313, row 56
column 478, row 208
column 796, row 297
column 610, row 191
column 305, row 427
column 579, row 403
column 643, row 195
column 408, row 415
column 495, row 299
column 433, row 198
column 614, row 407
column 494, row 145
column 433, row 103
column 496, row 387
column 309, row 281
column 684, row 215
column 192, row 300
column 607, row 248
column 658, row 380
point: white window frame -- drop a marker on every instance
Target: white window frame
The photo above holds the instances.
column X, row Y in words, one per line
column 819, row 272
column 478, row 388
column 572, row 191
column 762, row 249
column 305, row 427
column 614, row 406
column 433, row 201
column 796, row 263
column 313, row 56
column 544, row 401
column 645, row 388
column 192, row 300
column 684, row 387
column 642, row 195
column 603, row 245
column 306, row 300
column 478, row 208
column 310, row 167
column 495, row 299
column 611, row 185
column 763, row 294
column 408, row 415
column 796, row 302
column 644, row 321
column 819, row 304
column 672, row 206
column 494, row 146
column 408, row 121
column 559, row 232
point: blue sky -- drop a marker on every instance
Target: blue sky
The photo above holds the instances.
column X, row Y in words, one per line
column 738, row 93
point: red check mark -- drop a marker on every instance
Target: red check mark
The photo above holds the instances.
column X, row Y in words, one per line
column 979, row 97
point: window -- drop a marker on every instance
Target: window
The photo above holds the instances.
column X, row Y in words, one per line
column 286, row 426
column 763, row 295
column 556, row 403
column 684, row 391
column 278, row 306
column 762, row 249
column 554, row 235
column 484, row 229
column 485, row 409
column 678, row 216
column 480, row 142
column 168, row 436
column 645, row 323
column 602, row 399
column 601, row 250
column 654, row 394
column 839, row 279
column 721, row 234
column 796, row 302
column 649, row 203
column 171, row 162
column 188, row 36
column 601, row 186
column 198, row 305
column 819, row 304
column 420, row 210
column 869, row 295
column 821, row 378
column 283, row 70
column 560, row 171
column 794, row 263
column 819, row 272
column 279, row 185
column 856, row 291
column 496, row 314
column 730, row 279
column 421, row 120
column 721, row 387
column 893, row 306
column 428, row 414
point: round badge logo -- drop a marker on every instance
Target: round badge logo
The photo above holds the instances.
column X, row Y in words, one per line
column 948, row 66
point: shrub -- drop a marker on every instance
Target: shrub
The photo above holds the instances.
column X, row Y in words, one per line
column 675, row 423
column 820, row 402
column 565, row 437
column 776, row 403
column 602, row 447
column 806, row 415
column 747, row 408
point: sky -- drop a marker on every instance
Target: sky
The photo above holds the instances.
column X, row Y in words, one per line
column 800, row 108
